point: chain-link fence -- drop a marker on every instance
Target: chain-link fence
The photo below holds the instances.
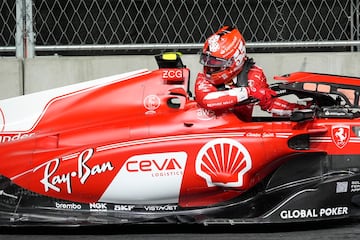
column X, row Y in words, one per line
column 7, row 25
column 128, row 26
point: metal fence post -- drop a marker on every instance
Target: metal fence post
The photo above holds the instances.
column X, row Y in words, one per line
column 19, row 42
column 29, row 37
column 30, row 41
column 358, row 22
column 24, row 39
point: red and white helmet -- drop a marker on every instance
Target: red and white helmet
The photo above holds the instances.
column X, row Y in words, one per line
column 223, row 55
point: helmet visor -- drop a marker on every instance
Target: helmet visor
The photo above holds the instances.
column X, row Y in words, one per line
column 210, row 61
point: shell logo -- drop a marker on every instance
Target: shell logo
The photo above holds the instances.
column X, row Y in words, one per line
column 223, row 162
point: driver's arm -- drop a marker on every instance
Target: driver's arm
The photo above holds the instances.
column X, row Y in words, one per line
column 209, row 97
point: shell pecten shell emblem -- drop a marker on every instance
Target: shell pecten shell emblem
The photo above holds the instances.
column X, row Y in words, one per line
column 223, row 162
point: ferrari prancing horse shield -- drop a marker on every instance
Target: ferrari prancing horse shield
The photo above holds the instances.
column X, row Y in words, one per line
column 340, row 135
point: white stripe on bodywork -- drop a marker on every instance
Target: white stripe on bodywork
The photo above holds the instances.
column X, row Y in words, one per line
column 22, row 113
column 148, row 179
column 141, row 142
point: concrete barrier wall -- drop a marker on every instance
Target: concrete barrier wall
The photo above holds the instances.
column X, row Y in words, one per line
column 43, row 73
column 11, row 80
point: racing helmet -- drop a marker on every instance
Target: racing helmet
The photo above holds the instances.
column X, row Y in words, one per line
column 223, row 55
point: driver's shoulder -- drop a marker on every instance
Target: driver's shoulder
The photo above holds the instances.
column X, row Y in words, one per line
column 256, row 72
column 256, row 69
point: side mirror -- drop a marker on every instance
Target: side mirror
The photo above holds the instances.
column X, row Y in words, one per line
column 178, row 92
column 302, row 115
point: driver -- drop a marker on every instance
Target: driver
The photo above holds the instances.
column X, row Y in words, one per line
column 229, row 77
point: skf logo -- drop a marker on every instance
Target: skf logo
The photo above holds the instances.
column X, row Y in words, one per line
column 340, row 135
column 223, row 162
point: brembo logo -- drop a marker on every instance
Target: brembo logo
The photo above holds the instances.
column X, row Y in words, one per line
column 223, row 162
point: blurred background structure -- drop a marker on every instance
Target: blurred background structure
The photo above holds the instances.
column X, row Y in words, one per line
column 33, row 29
column 80, row 27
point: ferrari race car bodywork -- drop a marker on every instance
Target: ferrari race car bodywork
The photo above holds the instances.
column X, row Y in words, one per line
column 137, row 148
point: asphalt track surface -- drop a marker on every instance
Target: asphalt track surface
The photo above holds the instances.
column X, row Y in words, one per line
column 329, row 230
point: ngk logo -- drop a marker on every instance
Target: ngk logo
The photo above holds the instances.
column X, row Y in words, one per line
column 98, row 207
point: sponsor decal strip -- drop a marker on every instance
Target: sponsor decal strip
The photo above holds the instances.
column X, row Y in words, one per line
column 320, row 141
column 175, row 138
column 179, row 137
column 354, row 139
column 153, row 140
column 71, row 156
column 283, row 135
column 328, row 139
column 169, row 138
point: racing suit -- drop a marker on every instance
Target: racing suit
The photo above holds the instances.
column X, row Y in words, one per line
column 230, row 97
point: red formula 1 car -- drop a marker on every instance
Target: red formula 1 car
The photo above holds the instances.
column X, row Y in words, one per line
column 137, row 148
